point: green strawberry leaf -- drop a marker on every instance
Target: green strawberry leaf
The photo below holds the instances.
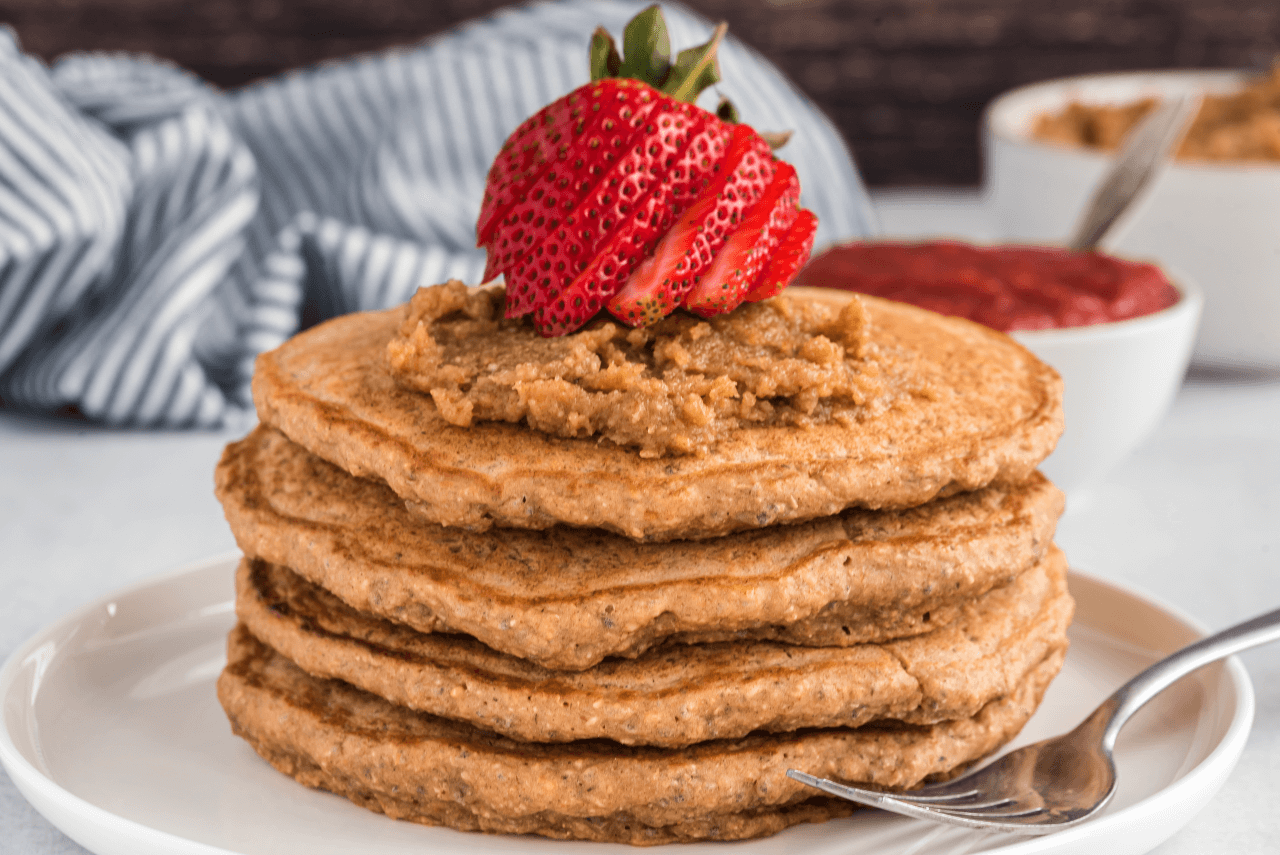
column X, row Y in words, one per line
column 775, row 139
column 647, row 56
column 605, row 61
column 646, row 48
column 695, row 69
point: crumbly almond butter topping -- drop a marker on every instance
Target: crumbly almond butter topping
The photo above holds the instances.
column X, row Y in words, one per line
column 1234, row 126
column 672, row 388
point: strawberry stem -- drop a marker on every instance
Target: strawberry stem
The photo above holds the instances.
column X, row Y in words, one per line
column 646, row 56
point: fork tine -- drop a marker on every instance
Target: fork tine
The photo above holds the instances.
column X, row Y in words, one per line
column 1014, row 821
column 871, row 798
column 876, row 798
column 941, row 798
column 994, row 810
column 961, row 800
column 968, row 816
column 1001, row 815
column 889, row 802
column 973, row 806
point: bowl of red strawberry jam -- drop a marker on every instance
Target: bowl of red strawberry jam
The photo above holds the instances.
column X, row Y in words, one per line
column 1120, row 332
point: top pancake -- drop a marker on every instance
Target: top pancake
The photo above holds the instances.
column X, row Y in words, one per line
column 965, row 406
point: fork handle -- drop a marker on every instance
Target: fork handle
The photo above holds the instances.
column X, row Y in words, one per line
column 1130, row 697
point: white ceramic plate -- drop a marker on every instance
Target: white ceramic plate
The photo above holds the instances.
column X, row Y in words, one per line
column 111, row 730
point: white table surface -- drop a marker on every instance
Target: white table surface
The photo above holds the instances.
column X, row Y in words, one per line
column 1192, row 518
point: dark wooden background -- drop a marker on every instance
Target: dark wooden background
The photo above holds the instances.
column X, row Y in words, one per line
column 905, row 80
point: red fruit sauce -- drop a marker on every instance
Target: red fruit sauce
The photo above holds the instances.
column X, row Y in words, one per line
column 1004, row 287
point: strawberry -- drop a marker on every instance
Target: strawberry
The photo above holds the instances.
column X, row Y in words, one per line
column 733, row 271
column 661, row 281
column 624, row 244
column 791, row 254
column 625, row 190
column 527, row 242
column 525, row 152
column 557, row 242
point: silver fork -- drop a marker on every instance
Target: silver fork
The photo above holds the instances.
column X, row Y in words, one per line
column 1063, row 781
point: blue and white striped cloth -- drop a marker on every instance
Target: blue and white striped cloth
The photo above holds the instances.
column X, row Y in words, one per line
column 156, row 234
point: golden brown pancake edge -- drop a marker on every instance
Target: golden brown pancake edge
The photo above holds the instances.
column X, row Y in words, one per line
column 329, row 389
column 568, row 597
column 677, row 694
column 414, row 766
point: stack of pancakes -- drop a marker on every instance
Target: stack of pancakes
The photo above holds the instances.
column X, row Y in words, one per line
column 495, row 628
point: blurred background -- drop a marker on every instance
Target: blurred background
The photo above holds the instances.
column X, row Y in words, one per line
column 905, row 80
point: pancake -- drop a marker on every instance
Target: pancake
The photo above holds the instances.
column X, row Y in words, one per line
column 566, row 598
column 962, row 407
column 677, row 694
column 415, row 766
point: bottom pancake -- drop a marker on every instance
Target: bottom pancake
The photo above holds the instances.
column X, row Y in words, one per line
column 415, row 766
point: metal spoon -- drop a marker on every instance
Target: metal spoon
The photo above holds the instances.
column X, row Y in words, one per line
column 1145, row 150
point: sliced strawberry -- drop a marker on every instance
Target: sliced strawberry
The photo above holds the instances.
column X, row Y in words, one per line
column 551, row 134
column 792, row 253
column 660, row 282
column 545, row 237
column 733, row 271
column 682, row 164
column 743, row 188
column 701, row 164
column 615, row 116
column 598, row 199
column 564, row 310
column 546, row 268
column 616, row 112
column 529, row 147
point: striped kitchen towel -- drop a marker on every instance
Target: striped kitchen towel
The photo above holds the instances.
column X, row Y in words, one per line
column 156, row 234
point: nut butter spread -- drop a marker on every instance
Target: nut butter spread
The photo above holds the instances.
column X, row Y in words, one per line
column 672, row 388
column 1233, row 126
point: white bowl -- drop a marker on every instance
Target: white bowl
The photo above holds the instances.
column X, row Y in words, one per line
column 1217, row 222
column 1118, row 381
